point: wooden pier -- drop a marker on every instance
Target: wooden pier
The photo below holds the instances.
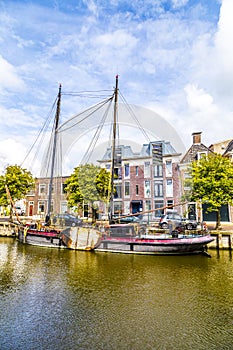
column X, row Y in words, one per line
column 222, row 240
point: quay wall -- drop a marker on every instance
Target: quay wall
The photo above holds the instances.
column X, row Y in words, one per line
column 7, row 229
column 222, row 240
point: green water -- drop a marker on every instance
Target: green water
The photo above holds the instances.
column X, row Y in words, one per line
column 61, row 299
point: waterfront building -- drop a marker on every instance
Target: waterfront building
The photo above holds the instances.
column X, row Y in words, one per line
column 145, row 181
column 37, row 199
column 194, row 210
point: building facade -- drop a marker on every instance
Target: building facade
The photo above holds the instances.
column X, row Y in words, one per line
column 37, row 200
column 145, row 182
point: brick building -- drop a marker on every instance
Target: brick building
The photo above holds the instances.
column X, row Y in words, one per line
column 37, row 200
column 145, row 181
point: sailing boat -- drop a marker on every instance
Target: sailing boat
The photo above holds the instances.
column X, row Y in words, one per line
column 134, row 238
column 115, row 237
column 46, row 235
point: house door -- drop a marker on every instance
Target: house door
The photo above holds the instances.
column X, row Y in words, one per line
column 31, row 208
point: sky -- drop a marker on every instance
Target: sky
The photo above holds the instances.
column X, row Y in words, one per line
column 173, row 57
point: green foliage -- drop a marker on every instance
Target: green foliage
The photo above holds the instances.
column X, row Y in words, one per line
column 19, row 182
column 212, row 181
column 88, row 183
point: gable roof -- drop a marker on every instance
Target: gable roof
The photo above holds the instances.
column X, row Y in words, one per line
column 191, row 154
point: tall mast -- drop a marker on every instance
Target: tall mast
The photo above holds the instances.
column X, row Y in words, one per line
column 54, row 149
column 113, row 149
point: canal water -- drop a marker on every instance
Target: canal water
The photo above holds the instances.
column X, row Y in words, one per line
column 62, row 299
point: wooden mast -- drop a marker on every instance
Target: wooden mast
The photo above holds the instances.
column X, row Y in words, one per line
column 113, row 151
column 54, row 149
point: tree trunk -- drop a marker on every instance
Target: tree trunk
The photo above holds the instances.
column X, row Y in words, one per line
column 218, row 220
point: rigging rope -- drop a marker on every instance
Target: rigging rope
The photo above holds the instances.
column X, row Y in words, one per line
column 131, row 112
column 92, row 144
column 97, row 107
column 42, row 130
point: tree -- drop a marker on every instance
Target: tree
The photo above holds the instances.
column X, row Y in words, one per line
column 212, row 183
column 16, row 183
column 87, row 184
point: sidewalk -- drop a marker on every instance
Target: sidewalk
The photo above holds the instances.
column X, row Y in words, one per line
column 226, row 226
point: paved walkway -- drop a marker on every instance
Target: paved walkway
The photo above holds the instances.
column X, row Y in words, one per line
column 226, row 226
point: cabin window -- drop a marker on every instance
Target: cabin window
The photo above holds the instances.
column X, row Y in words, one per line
column 127, row 170
column 127, row 188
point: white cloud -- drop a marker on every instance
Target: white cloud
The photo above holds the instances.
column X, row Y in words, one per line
column 198, row 99
column 178, row 61
column 10, row 152
column 9, row 77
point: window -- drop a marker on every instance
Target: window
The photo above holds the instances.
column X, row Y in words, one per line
column 201, row 155
column 158, row 189
column 127, row 188
column 169, row 188
column 117, row 191
column 168, row 167
column 170, row 203
column 147, row 169
column 42, row 188
column 64, row 207
column 52, row 207
column 148, row 205
column 137, row 190
column 159, row 208
column 63, row 187
column 147, row 193
column 136, row 170
column 126, row 206
column 127, row 170
column 31, row 192
column 158, row 170
column 117, row 173
column 117, row 208
column 41, row 207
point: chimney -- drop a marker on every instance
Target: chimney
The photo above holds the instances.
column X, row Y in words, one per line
column 196, row 137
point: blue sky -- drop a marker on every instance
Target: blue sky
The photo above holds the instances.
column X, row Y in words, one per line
column 173, row 57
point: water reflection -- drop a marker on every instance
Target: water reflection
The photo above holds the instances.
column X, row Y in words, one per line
column 61, row 299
